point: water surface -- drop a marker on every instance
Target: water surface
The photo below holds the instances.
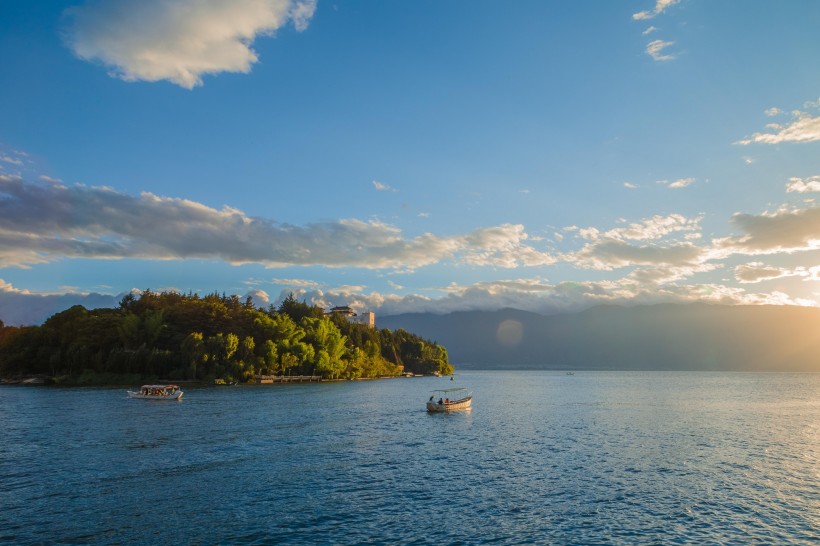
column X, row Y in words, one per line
column 590, row 458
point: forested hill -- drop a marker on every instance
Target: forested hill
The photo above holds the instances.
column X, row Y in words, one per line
column 187, row 337
column 653, row 337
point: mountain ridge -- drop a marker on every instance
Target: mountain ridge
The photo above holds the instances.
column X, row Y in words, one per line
column 668, row 336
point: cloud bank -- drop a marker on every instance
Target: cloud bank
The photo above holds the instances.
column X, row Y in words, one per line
column 179, row 41
column 657, row 258
column 538, row 296
column 40, row 223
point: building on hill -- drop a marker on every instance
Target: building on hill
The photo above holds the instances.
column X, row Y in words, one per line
column 368, row 318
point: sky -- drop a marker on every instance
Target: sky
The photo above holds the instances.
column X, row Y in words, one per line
column 417, row 156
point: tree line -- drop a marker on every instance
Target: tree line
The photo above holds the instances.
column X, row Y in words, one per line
column 175, row 336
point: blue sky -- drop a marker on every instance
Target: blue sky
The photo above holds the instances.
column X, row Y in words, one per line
column 410, row 156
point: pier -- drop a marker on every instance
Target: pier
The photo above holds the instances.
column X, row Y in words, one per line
column 266, row 379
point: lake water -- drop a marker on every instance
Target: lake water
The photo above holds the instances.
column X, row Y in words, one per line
column 542, row 457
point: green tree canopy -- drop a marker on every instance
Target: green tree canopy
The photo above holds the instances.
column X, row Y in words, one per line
column 176, row 336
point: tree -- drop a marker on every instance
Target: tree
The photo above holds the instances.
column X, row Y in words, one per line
column 297, row 311
column 329, row 343
column 246, row 349
column 152, row 325
column 171, row 335
column 270, row 356
column 129, row 331
column 193, row 350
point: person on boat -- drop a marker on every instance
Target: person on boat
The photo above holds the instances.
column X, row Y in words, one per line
column 431, row 398
column 446, row 401
column 439, row 401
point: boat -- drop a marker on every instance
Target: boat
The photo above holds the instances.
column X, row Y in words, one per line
column 454, row 399
column 157, row 392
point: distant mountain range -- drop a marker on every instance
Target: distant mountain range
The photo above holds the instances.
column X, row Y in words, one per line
column 655, row 337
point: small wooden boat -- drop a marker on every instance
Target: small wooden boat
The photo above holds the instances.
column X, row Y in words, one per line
column 157, row 392
column 454, row 399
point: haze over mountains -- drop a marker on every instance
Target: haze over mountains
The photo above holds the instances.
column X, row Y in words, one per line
column 656, row 337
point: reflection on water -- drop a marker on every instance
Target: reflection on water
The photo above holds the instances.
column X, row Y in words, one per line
column 541, row 457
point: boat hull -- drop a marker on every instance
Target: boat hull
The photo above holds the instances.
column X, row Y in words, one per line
column 455, row 405
column 175, row 396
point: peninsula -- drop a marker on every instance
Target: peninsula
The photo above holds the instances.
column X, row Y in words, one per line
column 212, row 338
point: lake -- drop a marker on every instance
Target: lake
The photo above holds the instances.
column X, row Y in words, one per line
column 542, row 457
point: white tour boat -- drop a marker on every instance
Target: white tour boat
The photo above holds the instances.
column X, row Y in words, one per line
column 454, row 399
column 157, row 392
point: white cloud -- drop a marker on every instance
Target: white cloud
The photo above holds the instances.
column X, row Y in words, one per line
column 649, row 30
column 589, row 233
column 41, row 223
column 677, row 184
column 771, row 112
column 785, row 230
column 755, row 272
column 297, row 283
column 803, row 128
column 803, row 185
column 812, row 104
column 664, row 274
column 10, row 160
column 383, row 187
column 181, row 40
column 611, row 249
column 538, row 296
column 260, row 298
column 660, row 7
column 502, row 246
column 608, row 254
column 630, row 185
column 654, row 228
column 301, row 12
column 50, row 180
column 655, row 50
column 395, row 286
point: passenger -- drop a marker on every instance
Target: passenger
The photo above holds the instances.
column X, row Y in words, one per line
column 446, row 400
column 439, row 401
column 431, row 398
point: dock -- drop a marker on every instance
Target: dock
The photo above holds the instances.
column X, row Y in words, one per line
column 267, row 379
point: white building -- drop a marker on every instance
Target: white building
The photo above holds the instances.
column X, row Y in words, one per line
column 368, row 318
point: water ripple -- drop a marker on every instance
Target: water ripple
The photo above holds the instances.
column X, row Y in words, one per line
column 598, row 458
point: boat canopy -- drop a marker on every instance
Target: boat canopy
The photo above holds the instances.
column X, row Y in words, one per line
column 159, row 387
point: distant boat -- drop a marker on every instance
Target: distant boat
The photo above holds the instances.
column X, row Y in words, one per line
column 461, row 400
column 157, row 392
column 570, row 373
